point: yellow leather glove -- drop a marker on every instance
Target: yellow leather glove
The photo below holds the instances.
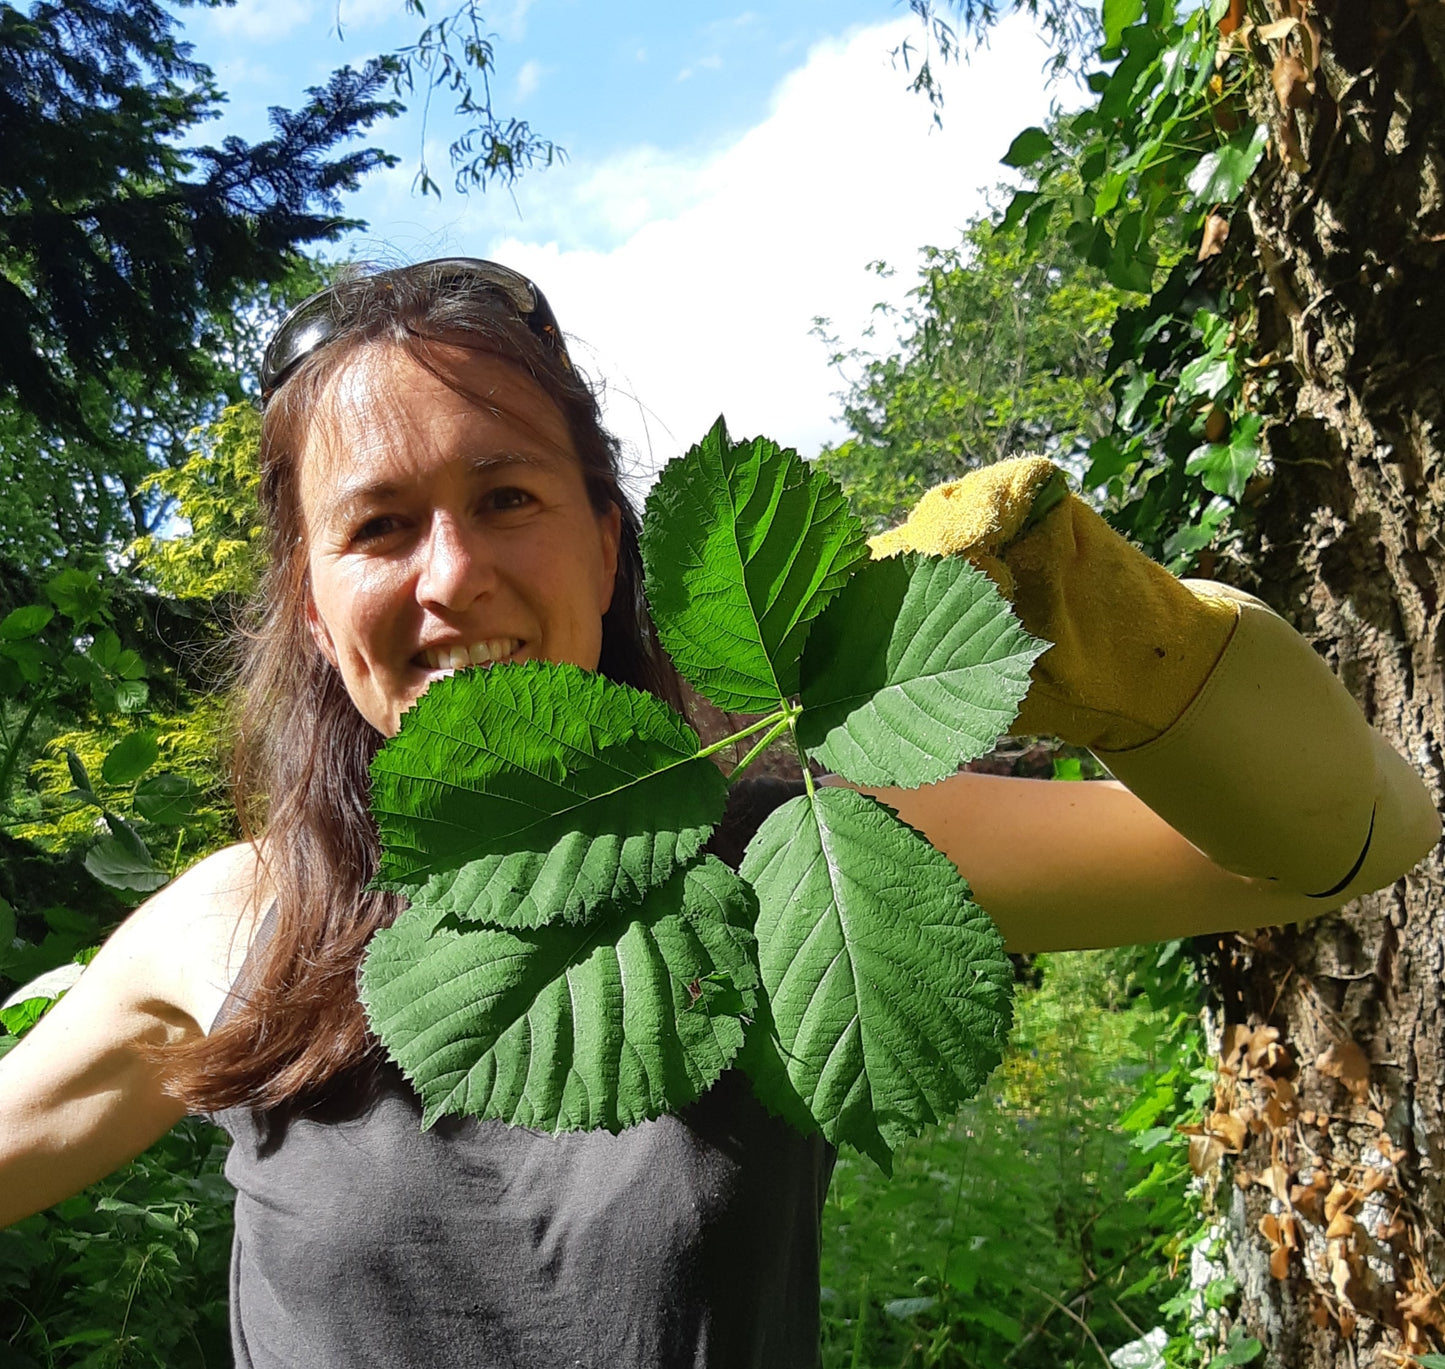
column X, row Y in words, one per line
column 1132, row 645
column 1204, row 702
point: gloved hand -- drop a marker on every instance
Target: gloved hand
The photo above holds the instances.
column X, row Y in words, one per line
column 1204, row 702
column 1132, row 645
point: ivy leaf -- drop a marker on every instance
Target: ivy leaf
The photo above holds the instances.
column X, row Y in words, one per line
column 743, row 545
column 915, row 668
column 1032, row 145
column 1225, row 467
column 536, row 791
column 1221, row 174
column 567, row 1028
column 1118, row 15
column 889, row 988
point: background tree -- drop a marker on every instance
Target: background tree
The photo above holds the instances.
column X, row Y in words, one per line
column 1278, row 424
column 1001, row 351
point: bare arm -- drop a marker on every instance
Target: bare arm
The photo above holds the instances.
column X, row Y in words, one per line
column 1061, row 866
column 78, row 1096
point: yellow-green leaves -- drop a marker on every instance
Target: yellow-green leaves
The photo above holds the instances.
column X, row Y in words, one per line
column 570, row 960
column 743, row 546
column 533, row 792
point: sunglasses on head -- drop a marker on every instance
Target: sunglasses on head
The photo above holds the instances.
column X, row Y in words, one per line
column 319, row 317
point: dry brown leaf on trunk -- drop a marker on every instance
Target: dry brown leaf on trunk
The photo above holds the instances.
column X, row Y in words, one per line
column 1233, row 17
column 1291, row 82
column 1205, row 1153
column 1228, row 1128
column 1341, row 1225
column 1345, row 1061
column 1279, row 1263
column 1276, row 1180
column 1308, row 1201
column 1216, row 234
column 1340, row 1199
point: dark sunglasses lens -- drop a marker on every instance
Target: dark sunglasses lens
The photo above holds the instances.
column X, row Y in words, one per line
column 312, row 323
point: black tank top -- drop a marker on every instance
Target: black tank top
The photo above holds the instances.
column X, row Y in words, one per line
column 688, row 1241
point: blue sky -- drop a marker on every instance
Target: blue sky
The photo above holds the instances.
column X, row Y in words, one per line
column 731, row 172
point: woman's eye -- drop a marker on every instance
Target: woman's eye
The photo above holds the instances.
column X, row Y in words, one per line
column 374, row 528
column 507, row 498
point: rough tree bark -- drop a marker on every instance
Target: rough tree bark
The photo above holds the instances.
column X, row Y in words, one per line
column 1333, row 1052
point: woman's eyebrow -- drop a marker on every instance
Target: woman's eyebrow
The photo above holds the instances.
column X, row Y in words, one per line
column 361, row 493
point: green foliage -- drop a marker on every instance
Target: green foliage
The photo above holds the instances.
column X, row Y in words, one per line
column 744, row 545
column 1001, row 351
column 914, row 669
column 549, row 793
column 132, row 1272
column 538, row 815
column 559, row 1028
column 1133, row 181
column 888, row 988
column 215, row 491
column 1013, row 1233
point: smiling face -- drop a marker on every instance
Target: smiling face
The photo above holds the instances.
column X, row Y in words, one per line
column 447, row 528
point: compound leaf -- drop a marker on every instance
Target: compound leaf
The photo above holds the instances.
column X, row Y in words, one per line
column 915, row 668
column 889, row 989
column 568, row 1028
column 743, row 545
column 537, row 791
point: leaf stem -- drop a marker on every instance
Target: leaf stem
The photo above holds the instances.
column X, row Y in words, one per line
column 781, row 716
column 783, row 725
column 802, row 755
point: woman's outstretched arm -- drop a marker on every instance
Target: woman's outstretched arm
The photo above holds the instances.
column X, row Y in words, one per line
column 82, row 1094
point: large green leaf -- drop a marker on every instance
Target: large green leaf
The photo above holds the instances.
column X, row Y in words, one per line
column 915, row 668
column 567, row 1028
column 889, row 988
column 526, row 793
column 743, row 545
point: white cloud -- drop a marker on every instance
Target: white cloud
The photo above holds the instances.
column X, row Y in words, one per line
column 690, row 283
column 262, row 20
column 528, row 78
column 511, row 21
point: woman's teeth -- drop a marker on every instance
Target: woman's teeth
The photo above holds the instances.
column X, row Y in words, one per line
column 478, row 653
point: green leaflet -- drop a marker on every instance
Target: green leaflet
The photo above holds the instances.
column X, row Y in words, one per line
column 566, row 1028
column 530, row 792
column 743, row 545
column 888, row 987
column 915, row 668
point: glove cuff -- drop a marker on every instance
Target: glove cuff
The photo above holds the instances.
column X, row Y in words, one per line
column 1273, row 772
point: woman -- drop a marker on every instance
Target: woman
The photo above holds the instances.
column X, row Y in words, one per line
column 438, row 492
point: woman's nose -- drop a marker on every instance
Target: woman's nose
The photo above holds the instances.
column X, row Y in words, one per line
column 457, row 565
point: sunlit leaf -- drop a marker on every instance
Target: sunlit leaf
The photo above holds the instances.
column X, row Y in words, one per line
column 914, row 669
column 130, row 758
column 744, row 544
column 531, row 792
column 568, row 1027
column 889, row 989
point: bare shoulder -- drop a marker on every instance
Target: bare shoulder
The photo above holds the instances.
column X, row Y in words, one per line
column 187, row 942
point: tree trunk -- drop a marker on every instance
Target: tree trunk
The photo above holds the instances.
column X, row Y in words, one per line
column 1334, row 1219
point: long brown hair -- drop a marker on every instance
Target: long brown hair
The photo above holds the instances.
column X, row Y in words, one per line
column 303, row 752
